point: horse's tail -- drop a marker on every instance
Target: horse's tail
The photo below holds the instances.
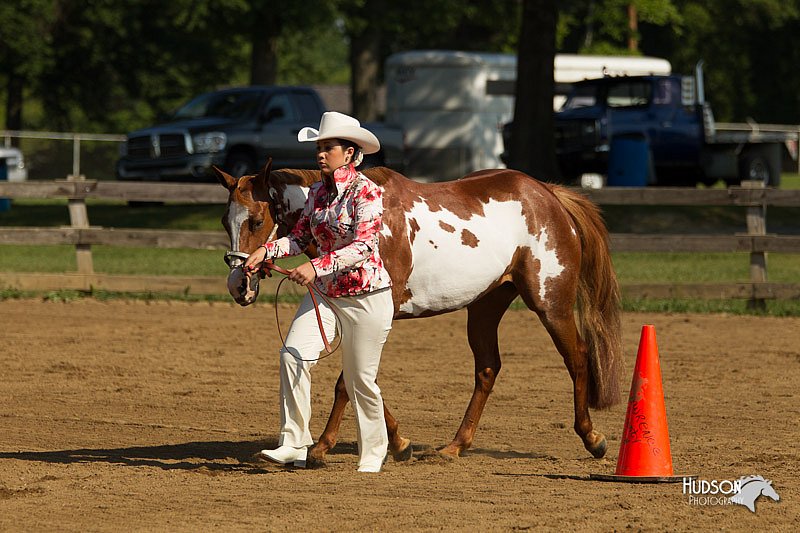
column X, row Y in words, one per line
column 599, row 307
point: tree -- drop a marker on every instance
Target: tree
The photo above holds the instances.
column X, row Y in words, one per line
column 365, row 32
column 532, row 147
column 24, row 51
column 377, row 28
column 267, row 22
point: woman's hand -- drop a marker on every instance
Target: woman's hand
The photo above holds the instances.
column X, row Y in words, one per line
column 303, row 274
column 254, row 261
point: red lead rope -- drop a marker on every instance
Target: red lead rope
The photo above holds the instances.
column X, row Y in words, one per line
column 269, row 265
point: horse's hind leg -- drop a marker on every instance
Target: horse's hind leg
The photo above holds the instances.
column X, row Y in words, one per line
column 326, row 441
column 482, row 320
column 399, row 447
column 562, row 329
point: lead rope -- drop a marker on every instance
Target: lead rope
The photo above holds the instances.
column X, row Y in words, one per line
column 269, row 265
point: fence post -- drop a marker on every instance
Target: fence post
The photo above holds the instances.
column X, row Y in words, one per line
column 756, row 225
column 79, row 219
column 76, row 157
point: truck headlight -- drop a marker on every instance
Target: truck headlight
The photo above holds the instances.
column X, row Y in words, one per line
column 213, row 141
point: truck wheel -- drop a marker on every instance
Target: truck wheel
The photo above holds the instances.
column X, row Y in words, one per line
column 757, row 168
column 240, row 164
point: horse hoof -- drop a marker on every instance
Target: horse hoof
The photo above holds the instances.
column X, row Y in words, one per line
column 431, row 455
column 598, row 450
column 315, row 462
column 404, row 454
column 450, row 452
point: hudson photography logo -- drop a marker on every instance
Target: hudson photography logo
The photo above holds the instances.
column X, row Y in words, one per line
column 743, row 491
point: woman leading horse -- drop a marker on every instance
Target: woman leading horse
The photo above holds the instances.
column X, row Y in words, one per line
column 475, row 243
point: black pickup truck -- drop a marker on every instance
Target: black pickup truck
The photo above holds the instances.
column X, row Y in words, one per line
column 237, row 129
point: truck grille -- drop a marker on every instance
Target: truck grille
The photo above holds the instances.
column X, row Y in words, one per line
column 157, row 146
column 571, row 135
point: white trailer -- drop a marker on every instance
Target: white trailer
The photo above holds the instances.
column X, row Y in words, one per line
column 452, row 105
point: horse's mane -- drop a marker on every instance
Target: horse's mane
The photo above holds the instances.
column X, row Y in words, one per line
column 305, row 178
column 296, row 176
column 745, row 480
column 379, row 175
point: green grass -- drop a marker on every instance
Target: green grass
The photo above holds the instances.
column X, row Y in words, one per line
column 50, row 213
column 121, row 260
column 790, row 181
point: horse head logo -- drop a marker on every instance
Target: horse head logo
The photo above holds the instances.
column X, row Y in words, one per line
column 751, row 488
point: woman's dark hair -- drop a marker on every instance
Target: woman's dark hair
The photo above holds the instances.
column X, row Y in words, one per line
column 349, row 144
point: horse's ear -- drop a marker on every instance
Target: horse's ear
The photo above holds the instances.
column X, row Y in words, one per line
column 261, row 181
column 227, row 181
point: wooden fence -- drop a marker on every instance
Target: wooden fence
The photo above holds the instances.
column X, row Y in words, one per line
column 751, row 195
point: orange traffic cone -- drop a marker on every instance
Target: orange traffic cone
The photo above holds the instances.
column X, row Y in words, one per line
column 644, row 454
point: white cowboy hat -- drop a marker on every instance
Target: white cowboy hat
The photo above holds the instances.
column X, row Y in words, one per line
column 340, row 126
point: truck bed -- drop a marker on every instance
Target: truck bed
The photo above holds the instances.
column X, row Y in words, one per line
column 752, row 132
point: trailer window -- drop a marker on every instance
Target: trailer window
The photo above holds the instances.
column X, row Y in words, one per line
column 629, row 94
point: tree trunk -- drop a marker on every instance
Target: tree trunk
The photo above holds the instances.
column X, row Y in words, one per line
column 14, row 101
column 365, row 47
column 532, row 144
column 264, row 57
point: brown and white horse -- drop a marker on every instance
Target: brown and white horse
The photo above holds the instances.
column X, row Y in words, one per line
column 478, row 242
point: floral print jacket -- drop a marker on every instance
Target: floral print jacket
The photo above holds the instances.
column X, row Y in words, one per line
column 345, row 223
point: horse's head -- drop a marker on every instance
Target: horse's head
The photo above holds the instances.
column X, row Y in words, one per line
column 769, row 491
column 260, row 208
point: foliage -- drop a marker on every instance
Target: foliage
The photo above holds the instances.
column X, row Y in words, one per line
column 111, row 66
column 318, row 60
column 25, row 37
column 602, row 27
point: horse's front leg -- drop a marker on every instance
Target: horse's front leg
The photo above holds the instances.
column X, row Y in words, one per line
column 482, row 320
column 399, row 447
column 484, row 382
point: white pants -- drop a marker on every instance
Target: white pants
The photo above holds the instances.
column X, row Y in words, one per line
column 366, row 320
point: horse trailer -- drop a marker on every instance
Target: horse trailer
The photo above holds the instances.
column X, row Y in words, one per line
column 452, row 105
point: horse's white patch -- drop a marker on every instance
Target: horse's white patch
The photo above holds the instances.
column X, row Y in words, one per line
column 447, row 274
column 549, row 267
column 294, row 198
column 237, row 215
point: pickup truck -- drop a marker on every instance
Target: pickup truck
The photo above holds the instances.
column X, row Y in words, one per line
column 670, row 117
column 237, row 129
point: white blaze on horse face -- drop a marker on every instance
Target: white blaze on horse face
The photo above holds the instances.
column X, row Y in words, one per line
column 455, row 260
column 237, row 216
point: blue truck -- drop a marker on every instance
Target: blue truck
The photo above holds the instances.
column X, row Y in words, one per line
column 660, row 130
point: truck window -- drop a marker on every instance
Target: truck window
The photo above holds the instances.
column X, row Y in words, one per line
column 234, row 105
column 308, row 106
column 280, row 109
column 581, row 97
column 629, row 94
column 668, row 92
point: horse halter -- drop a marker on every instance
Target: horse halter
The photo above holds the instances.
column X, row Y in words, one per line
column 236, row 259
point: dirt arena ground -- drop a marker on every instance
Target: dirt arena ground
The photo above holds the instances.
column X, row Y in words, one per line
column 143, row 416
